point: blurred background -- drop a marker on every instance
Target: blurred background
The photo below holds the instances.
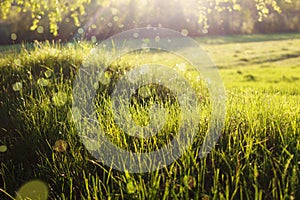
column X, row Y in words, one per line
column 101, row 19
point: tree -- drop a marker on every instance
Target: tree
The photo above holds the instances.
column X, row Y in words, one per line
column 54, row 11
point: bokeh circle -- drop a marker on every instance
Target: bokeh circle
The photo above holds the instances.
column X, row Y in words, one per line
column 93, row 70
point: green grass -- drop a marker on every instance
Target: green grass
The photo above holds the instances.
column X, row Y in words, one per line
column 272, row 66
column 256, row 157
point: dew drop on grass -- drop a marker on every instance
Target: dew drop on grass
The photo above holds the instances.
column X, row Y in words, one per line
column 60, row 146
column 114, row 11
column 94, row 39
column 184, row 32
column 13, row 36
column 40, row 29
column 136, row 35
column 80, row 30
column 48, row 73
column 43, row 82
column 96, row 85
column 33, row 190
column 3, row 148
column 59, row 98
column 17, row 86
column 116, row 18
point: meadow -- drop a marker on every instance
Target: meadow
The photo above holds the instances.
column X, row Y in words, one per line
column 256, row 157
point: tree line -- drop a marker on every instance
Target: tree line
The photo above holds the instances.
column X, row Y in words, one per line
column 99, row 19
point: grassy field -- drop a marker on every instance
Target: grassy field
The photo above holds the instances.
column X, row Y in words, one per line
column 256, row 157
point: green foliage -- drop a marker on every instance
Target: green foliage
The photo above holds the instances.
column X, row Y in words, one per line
column 263, row 8
column 56, row 11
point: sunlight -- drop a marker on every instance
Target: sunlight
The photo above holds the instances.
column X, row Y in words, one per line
column 123, row 99
column 123, row 15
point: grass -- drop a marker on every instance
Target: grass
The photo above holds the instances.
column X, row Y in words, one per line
column 256, row 157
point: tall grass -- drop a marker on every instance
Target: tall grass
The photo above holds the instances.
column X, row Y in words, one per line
column 256, row 157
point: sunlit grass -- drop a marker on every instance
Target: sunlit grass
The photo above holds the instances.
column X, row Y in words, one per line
column 257, row 156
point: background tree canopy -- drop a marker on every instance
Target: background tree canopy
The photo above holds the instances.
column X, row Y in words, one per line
column 98, row 19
